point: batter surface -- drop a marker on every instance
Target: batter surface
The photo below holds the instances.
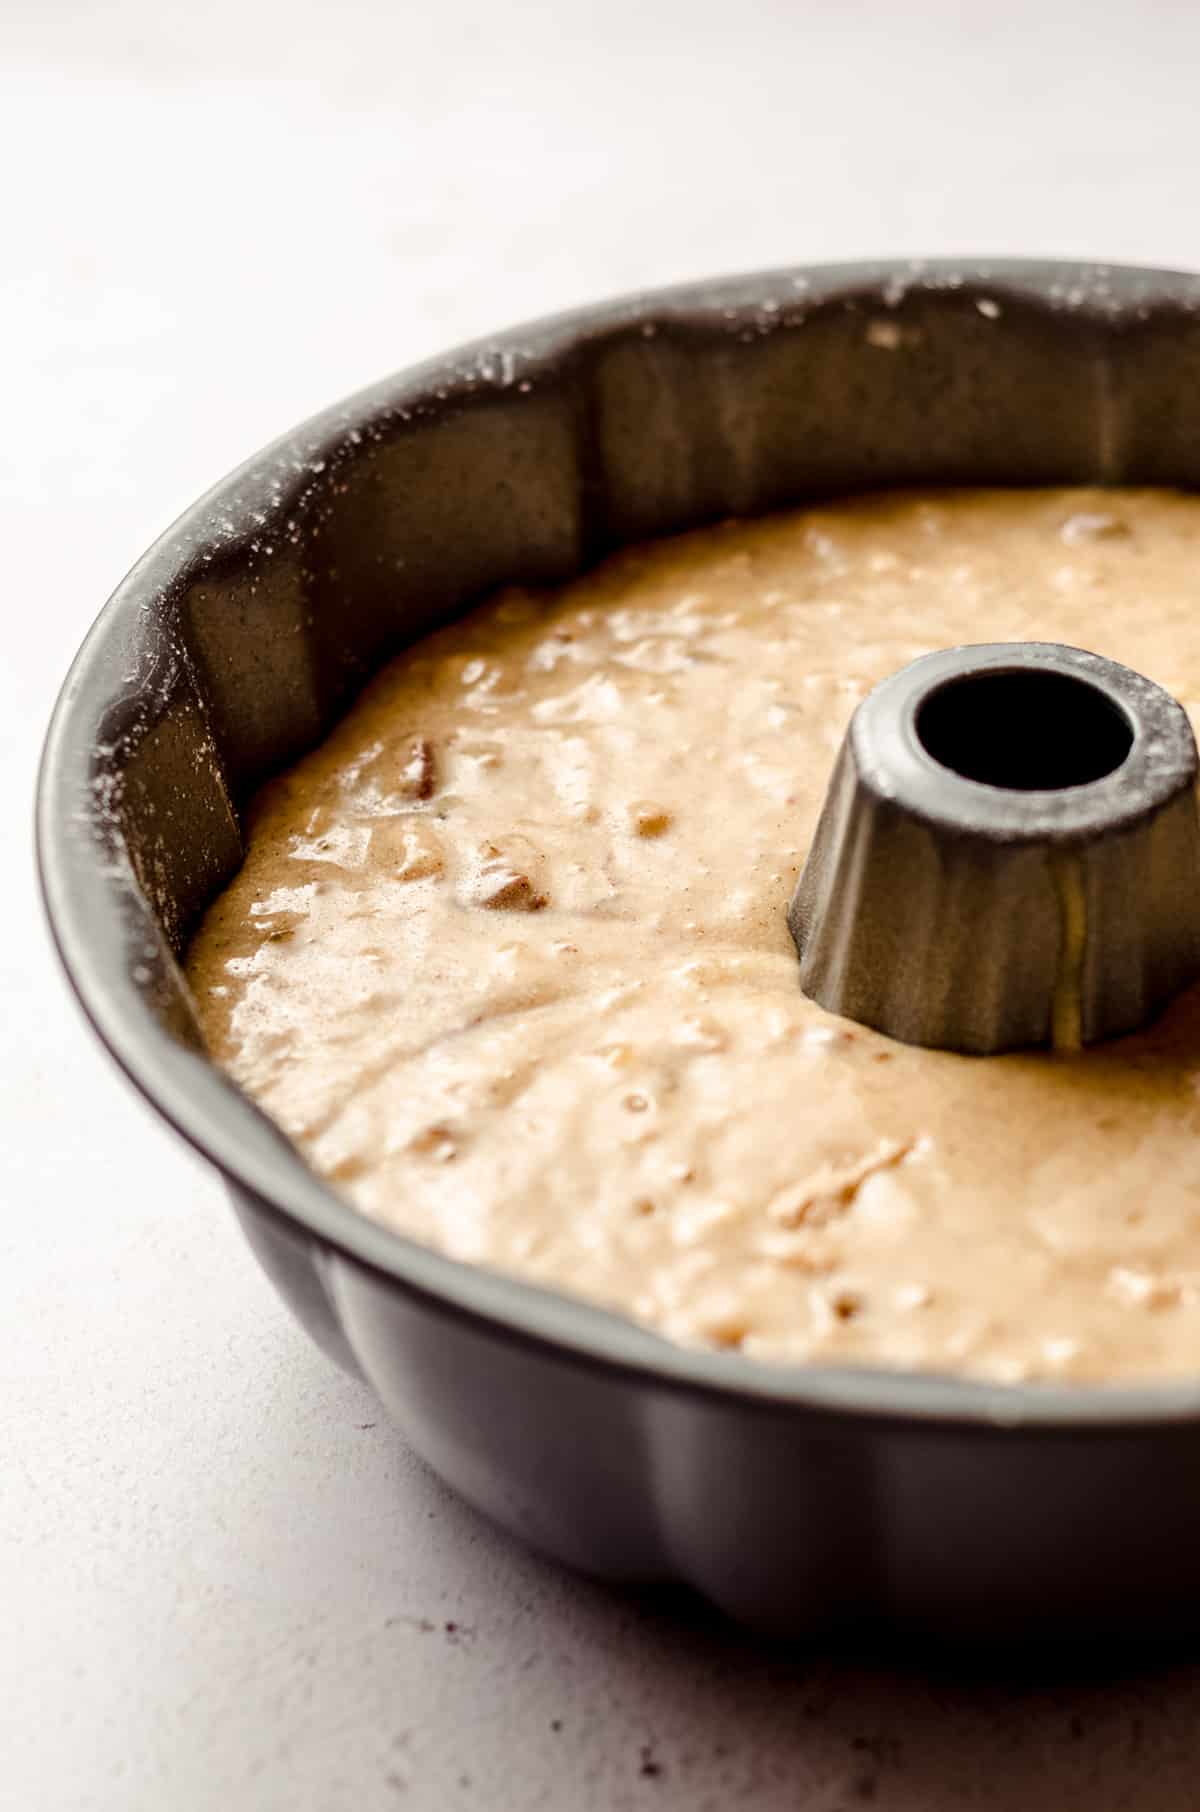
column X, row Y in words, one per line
column 508, row 957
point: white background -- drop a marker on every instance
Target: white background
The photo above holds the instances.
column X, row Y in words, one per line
column 223, row 1581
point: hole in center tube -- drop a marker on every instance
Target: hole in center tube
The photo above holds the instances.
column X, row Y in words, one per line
column 1024, row 729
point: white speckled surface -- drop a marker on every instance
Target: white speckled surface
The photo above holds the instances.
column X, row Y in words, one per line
column 223, row 1581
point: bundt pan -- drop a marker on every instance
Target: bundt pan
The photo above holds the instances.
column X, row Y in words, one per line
column 797, row 1498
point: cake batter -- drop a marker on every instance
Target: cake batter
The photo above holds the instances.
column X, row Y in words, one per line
column 508, row 957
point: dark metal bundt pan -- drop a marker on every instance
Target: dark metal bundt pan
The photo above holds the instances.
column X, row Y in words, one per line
column 798, row 1497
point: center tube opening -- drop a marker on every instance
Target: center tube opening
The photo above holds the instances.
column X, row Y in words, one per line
column 1024, row 729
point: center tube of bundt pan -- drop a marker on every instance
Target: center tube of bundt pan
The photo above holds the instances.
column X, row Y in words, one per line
column 1008, row 855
